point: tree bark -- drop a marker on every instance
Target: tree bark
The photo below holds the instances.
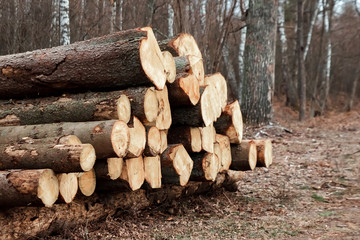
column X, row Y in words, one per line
column 24, row 187
column 206, row 167
column 243, row 156
column 189, row 137
column 152, row 169
column 259, row 66
column 123, row 59
column 176, row 165
column 67, row 108
column 184, row 91
column 109, row 138
column 230, row 122
column 182, row 64
column 60, row 158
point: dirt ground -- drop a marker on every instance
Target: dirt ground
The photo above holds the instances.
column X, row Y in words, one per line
column 312, row 191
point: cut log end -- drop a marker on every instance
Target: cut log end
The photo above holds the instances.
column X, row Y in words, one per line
column 48, row 188
column 170, row 68
column 87, row 157
column 219, row 82
column 68, row 184
column 123, row 108
column 210, row 166
column 87, row 182
column 196, row 143
column 235, row 132
column 137, row 138
column 208, row 138
column 183, row 164
column 153, row 143
column 120, row 138
column 225, row 148
column 264, row 152
column 133, row 172
column 163, row 120
column 244, row 156
column 191, row 87
column 210, row 106
column 114, row 166
column 252, row 156
column 164, row 141
column 152, row 168
column 152, row 60
column 69, row 140
column 151, row 105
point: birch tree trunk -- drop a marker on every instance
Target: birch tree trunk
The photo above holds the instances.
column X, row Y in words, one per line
column 300, row 60
column 313, row 20
column 170, row 21
column 64, row 22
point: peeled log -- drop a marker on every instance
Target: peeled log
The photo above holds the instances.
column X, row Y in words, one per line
column 169, row 65
column 133, row 172
column 67, row 108
column 206, row 167
column 243, row 156
column 203, row 113
column 87, row 182
column 153, row 141
column 109, row 138
column 264, row 152
column 189, row 137
column 225, row 147
column 24, row 187
column 230, row 122
column 176, row 165
column 152, row 169
column 110, row 169
column 133, row 59
column 219, row 82
column 137, row 138
column 184, row 91
column 68, row 186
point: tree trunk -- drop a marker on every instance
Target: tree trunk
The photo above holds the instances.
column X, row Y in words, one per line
column 24, row 187
column 87, row 182
column 109, row 138
column 153, row 142
column 184, row 91
column 60, row 158
column 225, row 148
column 206, row 167
column 300, row 60
column 243, row 156
column 353, row 90
column 68, row 186
column 259, row 66
column 230, row 122
column 64, row 22
column 152, row 168
column 137, row 138
column 264, row 152
column 176, row 165
column 189, row 137
column 123, row 59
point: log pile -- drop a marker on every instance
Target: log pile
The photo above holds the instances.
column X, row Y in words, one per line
column 116, row 113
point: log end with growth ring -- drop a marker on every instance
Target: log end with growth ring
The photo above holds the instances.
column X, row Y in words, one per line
column 219, row 82
column 123, row 108
column 164, row 141
column 225, row 147
column 235, row 130
column 163, row 120
column 133, row 172
column 264, row 152
column 114, row 166
column 68, row 184
column 87, row 157
column 208, row 138
column 151, row 105
column 210, row 105
column 152, row 168
column 137, row 138
column 87, row 182
column 170, row 68
column 153, row 142
column 120, row 138
column 210, row 166
column 252, row 156
column 48, row 188
column 196, row 143
column 191, row 86
column 152, row 60
column 182, row 163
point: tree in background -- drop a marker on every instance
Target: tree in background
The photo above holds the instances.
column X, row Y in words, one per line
column 64, row 22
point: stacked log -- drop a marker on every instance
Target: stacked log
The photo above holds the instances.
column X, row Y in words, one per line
column 116, row 114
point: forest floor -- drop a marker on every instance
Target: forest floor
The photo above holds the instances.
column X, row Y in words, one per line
column 312, row 191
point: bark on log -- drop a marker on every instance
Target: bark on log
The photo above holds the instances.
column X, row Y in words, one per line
column 133, row 172
column 110, row 169
column 164, row 118
column 109, row 138
column 153, row 142
column 60, row 158
column 225, row 147
column 87, row 182
column 230, row 122
column 62, row 140
column 219, row 82
column 243, row 156
column 204, row 113
column 25, row 187
column 67, row 108
column 176, row 165
column 132, row 59
column 206, row 167
column 189, row 137
column 137, row 138
column 169, row 65
column 264, row 152
column 208, row 138
column 164, row 140
column 184, row 91
column 68, row 186
column 182, row 64
column 152, row 169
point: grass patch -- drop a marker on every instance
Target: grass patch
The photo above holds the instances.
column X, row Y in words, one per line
column 318, row 198
column 327, row 213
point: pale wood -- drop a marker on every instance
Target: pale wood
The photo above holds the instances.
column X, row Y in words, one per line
column 184, row 91
column 164, row 140
column 152, row 168
column 264, row 152
column 244, row 156
column 189, row 137
column 206, row 166
column 208, row 138
column 109, row 169
column 225, row 147
column 133, row 172
column 169, row 65
column 164, row 118
column 68, row 186
column 87, row 182
column 137, row 138
column 153, row 142
column 219, row 82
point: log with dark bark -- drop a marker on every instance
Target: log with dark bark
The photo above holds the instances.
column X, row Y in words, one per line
column 164, row 140
column 243, row 156
column 109, row 169
column 164, row 118
column 137, row 138
column 123, row 59
column 87, row 182
column 133, row 172
column 153, row 142
column 208, row 138
column 206, row 167
column 219, row 82
column 184, row 91
column 176, row 165
column 225, row 147
column 202, row 114
column 68, row 186
column 109, row 138
column 67, row 108
column 60, row 158
column 230, row 122
column 189, row 137
column 62, row 140
column 28, row 187
column 264, row 152
column 152, row 169
column 182, row 64
column 169, row 65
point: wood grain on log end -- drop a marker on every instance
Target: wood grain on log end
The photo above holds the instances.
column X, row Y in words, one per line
column 120, row 138
column 164, row 140
column 225, row 147
column 123, row 108
column 68, row 186
column 151, row 105
column 48, row 188
column 184, row 91
column 137, row 138
column 219, row 82
column 87, row 182
column 264, row 152
column 244, row 156
column 169, row 64
column 133, row 172
column 208, row 138
column 152, row 60
column 114, row 166
column 152, row 166
column 69, row 140
column 210, row 105
column 163, row 119
column 153, row 141
column 196, row 142
column 210, row 165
